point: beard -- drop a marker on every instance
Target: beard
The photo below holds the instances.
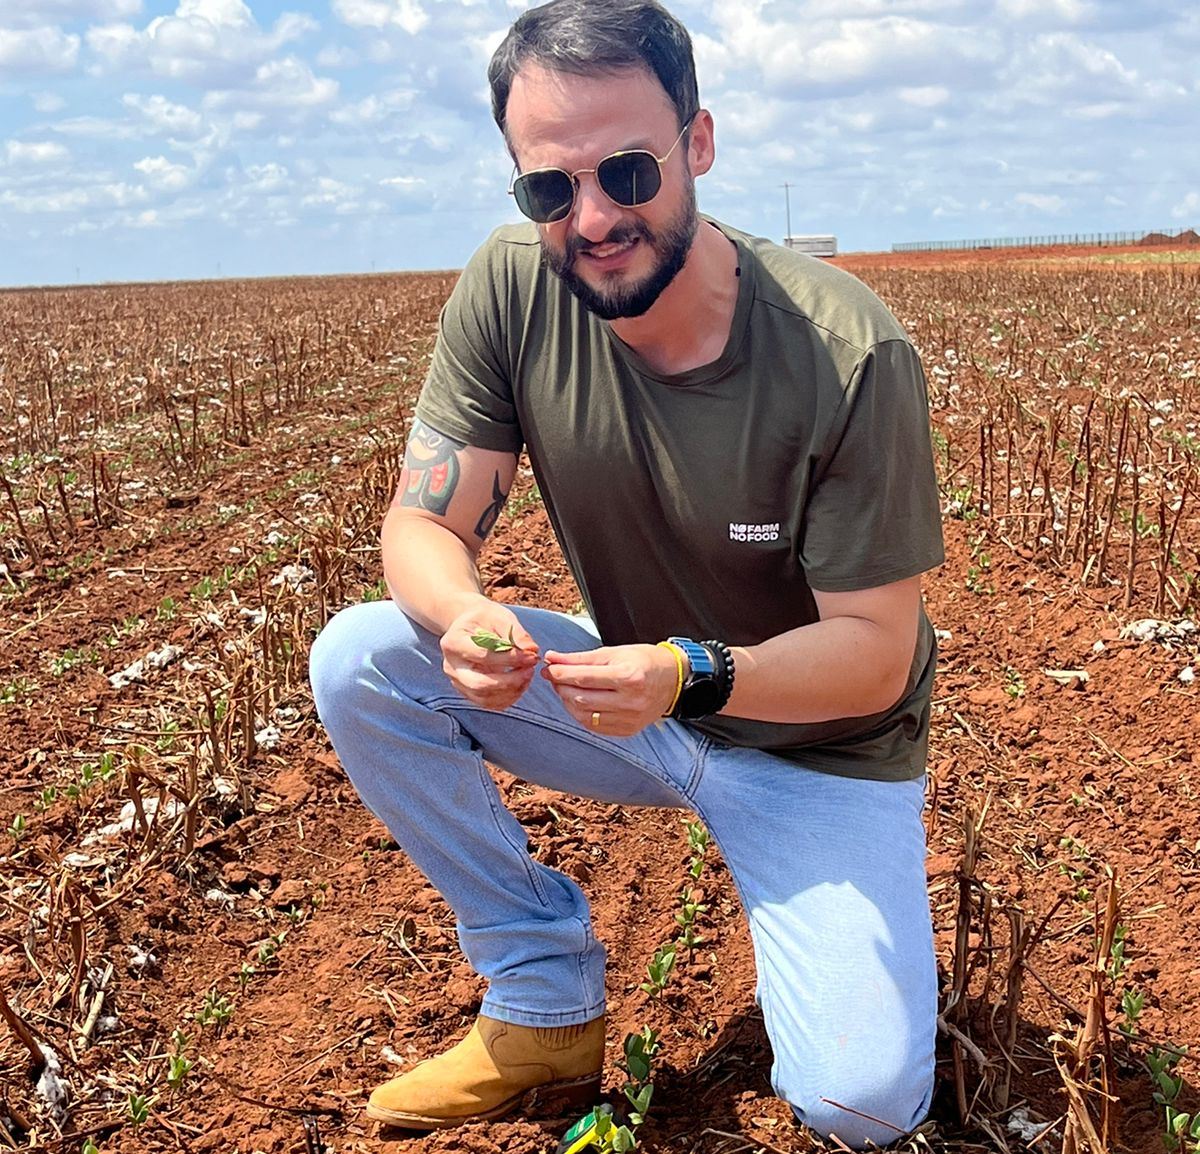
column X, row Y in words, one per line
column 614, row 298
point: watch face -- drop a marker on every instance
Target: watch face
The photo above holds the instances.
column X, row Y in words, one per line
column 701, row 698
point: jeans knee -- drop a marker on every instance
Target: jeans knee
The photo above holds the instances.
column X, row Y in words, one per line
column 340, row 653
column 868, row 1110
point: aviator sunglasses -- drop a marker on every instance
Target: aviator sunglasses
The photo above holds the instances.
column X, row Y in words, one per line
column 626, row 178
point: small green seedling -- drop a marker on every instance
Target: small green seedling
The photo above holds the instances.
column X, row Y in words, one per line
column 18, row 828
column 89, row 1147
column 493, row 642
column 659, row 971
column 138, row 1108
column 1132, row 1002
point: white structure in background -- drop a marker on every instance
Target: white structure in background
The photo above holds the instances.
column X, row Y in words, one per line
column 813, row 245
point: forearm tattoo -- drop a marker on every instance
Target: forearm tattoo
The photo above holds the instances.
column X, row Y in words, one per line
column 433, row 470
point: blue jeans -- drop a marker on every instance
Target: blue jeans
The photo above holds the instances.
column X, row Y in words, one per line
column 830, row 869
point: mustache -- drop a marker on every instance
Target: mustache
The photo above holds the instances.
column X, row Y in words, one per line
column 622, row 234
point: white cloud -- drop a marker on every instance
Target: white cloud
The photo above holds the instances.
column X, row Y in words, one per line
column 18, row 13
column 267, row 178
column 1188, row 208
column 204, row 42
column 48, row 102
column 34, row 152
column 406, row 14
column 374, row 109
column 161, row 115
column 925, row 96
column 287, row 83
column 37, row 50
column 164, row 175
column 1041, row 202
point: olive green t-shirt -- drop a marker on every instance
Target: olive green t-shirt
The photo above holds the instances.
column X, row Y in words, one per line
column 711, row 503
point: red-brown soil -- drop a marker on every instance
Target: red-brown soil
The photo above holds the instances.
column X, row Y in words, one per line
column 1078, row 781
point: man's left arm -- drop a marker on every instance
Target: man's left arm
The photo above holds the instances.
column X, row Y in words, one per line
column 853, row 662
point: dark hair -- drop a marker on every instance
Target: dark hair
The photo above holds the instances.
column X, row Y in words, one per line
column 589, row 36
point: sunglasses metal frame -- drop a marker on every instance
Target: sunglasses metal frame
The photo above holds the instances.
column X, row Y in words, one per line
column 573, row 177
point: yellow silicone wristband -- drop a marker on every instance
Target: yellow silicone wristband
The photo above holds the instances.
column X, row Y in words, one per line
column 678, row 655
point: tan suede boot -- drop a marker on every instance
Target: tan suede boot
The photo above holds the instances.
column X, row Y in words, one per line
column 490, row 1072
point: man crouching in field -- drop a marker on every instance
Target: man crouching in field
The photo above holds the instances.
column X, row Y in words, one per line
column 732, row 442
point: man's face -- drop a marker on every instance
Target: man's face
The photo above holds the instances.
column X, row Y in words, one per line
column 616, row 260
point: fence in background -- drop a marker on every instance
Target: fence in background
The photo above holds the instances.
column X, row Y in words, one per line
column 1160, row 236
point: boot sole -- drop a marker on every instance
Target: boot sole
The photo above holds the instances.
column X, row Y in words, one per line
column 552, row 1098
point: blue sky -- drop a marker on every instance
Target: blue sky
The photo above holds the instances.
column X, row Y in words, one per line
column 195, row 138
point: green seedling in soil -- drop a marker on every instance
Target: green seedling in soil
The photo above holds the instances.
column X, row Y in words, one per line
column 1181, row 1130
column 178, row 1064
column 46, row 798
column 270, row 948
column 18, row 828
column 640, row 1051
column 138, row 1108
column 89, row 1147
column 1116, row 956
column 178, row 1067
column 494, row 643
column 67, row 660
column 686, row 918
column 245, row 974
column 1014, row 683
column 168, row 609
column 659, row 971
column 16, row 690
column 216, row 1010
column 1132, row 1002
column 698, row 844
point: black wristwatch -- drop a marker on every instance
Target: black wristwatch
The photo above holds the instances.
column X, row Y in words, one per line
column 709, row 679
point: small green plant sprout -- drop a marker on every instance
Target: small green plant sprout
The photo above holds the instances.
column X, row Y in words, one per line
column 295, row 915
column 178, row 1067
column 168, row 609
column 216, row 1010
column 46, row 798
column 493, row 642
column 268, row 950
column 18, row 828
column 16, row 690
column 1181, row 1131
column 60, row 663
column 204, row 589
column 245, row 974
column 659, row 971
column 1014, row 683
column 698, row 843
column 89, row 1147
column 1116, row 956
column 138, row 1108
column 685, row 918
column 1132, row 1002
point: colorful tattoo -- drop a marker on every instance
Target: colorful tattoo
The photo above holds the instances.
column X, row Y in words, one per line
column 492, row 513
column 433, row 470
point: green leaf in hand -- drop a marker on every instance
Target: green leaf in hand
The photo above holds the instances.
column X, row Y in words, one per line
column 486, row 639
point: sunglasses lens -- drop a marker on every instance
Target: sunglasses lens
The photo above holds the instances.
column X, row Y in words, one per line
column 630, row 178
column 544, row 196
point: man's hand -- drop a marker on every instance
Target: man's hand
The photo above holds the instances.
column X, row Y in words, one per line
column 493, row 679
column 617, row 690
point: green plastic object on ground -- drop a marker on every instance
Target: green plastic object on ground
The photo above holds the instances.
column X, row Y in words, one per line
column 580, row 1136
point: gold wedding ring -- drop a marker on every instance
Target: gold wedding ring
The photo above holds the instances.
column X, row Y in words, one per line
column 595, row 720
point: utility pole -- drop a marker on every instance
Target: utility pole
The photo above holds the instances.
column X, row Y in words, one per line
column 787, row 195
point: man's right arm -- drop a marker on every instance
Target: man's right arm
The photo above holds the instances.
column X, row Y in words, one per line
column 449, row 497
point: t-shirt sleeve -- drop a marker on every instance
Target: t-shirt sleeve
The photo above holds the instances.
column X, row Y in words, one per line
column 873, row 513
column 468, row 392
